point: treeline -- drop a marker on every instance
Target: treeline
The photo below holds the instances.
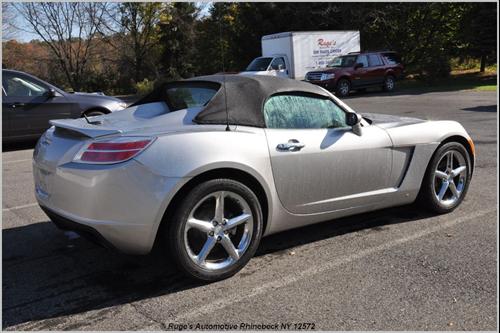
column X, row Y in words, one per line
column 123, row 48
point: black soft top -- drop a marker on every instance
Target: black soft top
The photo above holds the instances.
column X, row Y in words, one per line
column 246, row 96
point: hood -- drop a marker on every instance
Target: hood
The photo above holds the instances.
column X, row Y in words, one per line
column 93, row 96
column 148, row 119
column 389, row 121
column 99, row 93
column 327, row 70
column 257, row 73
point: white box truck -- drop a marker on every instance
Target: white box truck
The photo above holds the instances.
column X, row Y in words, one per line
column 293, row 54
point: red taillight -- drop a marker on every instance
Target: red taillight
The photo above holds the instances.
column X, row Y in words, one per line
column 118, row 145
column 113, row 150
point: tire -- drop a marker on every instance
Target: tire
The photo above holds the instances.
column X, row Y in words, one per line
column 343, row 88
column 389, row 83
column 93, row 113
column 436, row 193
column 200, row 248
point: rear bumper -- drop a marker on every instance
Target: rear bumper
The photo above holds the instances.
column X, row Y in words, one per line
column 120, row 206
column 82, row 229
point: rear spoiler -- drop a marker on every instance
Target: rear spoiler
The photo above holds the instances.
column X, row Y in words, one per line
column 82, row 127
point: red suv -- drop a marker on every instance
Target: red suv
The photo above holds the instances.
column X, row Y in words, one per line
column 356, row 71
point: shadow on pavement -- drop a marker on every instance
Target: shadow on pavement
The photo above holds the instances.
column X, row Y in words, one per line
column 21, row 145
column 482, row 108
column 47, row 273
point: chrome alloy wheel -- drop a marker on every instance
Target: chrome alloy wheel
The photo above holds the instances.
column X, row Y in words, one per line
column 218, row 230
column 389, row 83
column 450, row 178
column 344, row 88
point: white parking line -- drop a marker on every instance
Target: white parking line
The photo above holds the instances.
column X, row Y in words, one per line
column 267, row 287
column 16, row 161
column 20, row 207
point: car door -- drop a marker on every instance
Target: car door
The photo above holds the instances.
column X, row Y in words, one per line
column 376, row 70
column 29, row 105
column 318, row 163
column 278, row 65
column 359, row 77
column 5, row 116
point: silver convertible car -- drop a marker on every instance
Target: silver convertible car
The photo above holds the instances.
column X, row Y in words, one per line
column 210, row 165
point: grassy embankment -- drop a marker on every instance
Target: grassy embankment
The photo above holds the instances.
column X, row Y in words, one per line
column 460, row 79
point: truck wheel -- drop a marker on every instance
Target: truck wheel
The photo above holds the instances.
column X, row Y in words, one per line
column 343, row 88
column 389, row 83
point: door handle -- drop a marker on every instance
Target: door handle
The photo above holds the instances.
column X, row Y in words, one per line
column 291, row 145
column 16, row 105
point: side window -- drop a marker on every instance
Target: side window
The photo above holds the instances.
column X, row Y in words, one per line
column 363, row 60
column 20, row 86
column 374, row 60
column 299, row 111
column 392, row 58
column 277, row 62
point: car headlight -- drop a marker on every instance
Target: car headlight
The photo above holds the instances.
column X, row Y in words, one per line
column 328, row 76
column 122, row 105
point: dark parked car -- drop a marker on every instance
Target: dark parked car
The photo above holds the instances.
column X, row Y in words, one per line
column 356, row 71
column 28, row 104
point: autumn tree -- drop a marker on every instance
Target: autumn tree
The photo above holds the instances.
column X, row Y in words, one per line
column 68, row 29
column 132, row 28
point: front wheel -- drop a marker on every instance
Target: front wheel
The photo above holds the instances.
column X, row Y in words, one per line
column 447, row 178
column 216, row 230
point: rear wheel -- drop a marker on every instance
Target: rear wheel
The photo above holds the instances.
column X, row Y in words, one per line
column 447, row 178
column 343, row 88
column 216, row 230
column 389, row 83
column 94, row 113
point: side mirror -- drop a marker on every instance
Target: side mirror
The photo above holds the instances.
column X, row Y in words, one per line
column 352, row 119
column 359, row 65
column 50, row 93
column 280, row 67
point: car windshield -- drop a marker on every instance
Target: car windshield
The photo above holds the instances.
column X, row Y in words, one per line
column 259, row 64
column 343, row 61
column 184, row 97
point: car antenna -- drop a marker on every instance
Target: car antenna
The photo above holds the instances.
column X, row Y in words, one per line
column 223, row 75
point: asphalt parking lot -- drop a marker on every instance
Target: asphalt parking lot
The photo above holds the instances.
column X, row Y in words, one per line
column 396, row 269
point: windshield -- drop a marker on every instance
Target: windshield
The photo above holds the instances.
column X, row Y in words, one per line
column 343, row 61
column 259, row 64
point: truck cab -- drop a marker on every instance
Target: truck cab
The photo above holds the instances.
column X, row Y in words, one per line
column 275, row 65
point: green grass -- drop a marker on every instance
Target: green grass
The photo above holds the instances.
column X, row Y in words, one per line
column 463, row 80
column 487, row 88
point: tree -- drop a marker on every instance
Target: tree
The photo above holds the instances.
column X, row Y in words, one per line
column 177, row 33
column 132, row 28
column 68, row 29
column 479, row 32
column 8, row 21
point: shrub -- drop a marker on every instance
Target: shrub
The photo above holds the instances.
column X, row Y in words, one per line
column 144, row 87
